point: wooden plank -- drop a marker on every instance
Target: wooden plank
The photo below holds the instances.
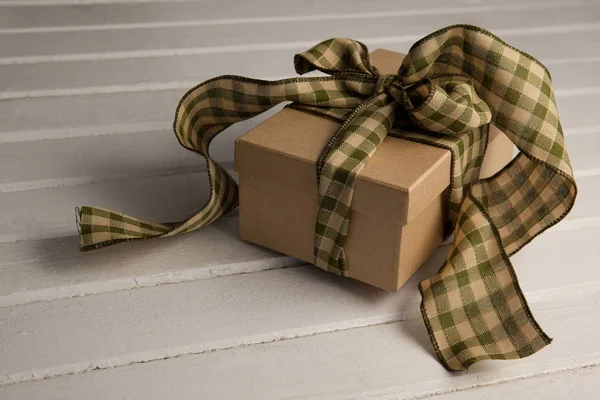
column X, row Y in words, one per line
column 554, row 251
column 140, row 74
column 38, row 270
column 229, row 12
column 75, row 115
column 385, row 361
column 587, row 199
column 581, row 149
column 580, row 383
column 126, row 43
column 67, row 162
column 203, row 315
column 87, row 111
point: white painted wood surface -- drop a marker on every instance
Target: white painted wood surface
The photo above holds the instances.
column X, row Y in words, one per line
column 86, row 84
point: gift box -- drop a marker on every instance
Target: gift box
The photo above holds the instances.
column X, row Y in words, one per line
column 399, row 199
column 374, row 198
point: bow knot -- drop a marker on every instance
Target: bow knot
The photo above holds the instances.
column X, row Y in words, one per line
column 383, row 82
column 392, row 85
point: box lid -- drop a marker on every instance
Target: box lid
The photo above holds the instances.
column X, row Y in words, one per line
column 398, row 182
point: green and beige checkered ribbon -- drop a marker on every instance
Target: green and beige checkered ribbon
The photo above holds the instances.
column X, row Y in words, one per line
column 450, row 86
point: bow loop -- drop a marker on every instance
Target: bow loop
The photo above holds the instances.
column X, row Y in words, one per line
column 448, row 106
column 335, row 55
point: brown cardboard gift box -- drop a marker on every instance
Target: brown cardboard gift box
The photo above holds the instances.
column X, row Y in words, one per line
column 398, row 204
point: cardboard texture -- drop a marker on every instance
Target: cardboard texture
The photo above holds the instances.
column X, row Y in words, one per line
column 398, row 204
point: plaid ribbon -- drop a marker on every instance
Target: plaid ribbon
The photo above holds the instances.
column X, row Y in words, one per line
column 450, row 86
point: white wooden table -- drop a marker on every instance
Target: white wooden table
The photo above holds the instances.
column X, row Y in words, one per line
column 87, row 95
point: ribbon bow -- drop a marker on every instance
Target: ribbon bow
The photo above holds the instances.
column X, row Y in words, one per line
column 445, row 104
column 450, row 86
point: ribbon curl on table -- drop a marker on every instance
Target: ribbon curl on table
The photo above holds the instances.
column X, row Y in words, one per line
column 449, row 88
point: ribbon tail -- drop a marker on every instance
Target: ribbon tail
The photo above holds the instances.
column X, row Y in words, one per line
column 204, row 112
column 99, row 227
column 474, row 308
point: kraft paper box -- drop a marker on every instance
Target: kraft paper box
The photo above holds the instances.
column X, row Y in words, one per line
column 398, row 205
